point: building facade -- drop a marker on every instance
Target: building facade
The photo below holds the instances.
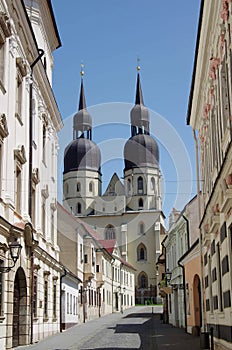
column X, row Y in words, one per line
column 209, row 115
column 104, row 282
column 29, row 122
column 184, row 266
column 128, row 212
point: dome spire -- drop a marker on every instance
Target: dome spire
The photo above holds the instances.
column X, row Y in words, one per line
column 139, row 114
column 82, row 102
column 139, row 94
column 82, row 120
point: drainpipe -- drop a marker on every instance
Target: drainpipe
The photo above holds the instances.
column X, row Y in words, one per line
column 185, row 303
column 200, row 232
column 187, row 228
column 41, row 53
column 112, row 284
column 61, row 278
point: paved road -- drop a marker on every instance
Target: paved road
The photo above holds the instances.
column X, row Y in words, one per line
column 137, row 328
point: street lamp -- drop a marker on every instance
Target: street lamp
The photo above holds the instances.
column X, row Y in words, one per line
column 15, row 251
column 168, row 275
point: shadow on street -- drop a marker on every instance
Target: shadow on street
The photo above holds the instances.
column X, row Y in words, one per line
column 153, row 334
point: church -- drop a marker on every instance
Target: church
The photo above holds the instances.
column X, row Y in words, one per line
column 129, row 212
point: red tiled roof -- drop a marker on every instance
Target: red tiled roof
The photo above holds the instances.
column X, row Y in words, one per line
column 108, row 244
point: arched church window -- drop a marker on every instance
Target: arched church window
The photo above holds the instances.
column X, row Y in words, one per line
column 78, row 208
column 110, row 232
column 140, row 203
column 141, row 252
column 142, row 280
column 153, row 184
column 140, row 184
column 129, row 185
column 90, row 187
column 78, row 187
column 66, row 188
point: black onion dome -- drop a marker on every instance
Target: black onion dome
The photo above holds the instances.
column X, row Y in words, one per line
column 141, row 151
column 82, row 154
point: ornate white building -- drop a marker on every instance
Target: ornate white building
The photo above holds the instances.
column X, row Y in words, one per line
column 29, row 122
column 209, row 115
column 130, row 212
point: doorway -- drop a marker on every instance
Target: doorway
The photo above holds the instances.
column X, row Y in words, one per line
column 20, row 309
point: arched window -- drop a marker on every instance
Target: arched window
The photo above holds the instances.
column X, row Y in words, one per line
column 142, row 280
column 140, row 203
column 78, row 187
column 141, row 228
column 78, row 208
column 129, row 186
column 153, row 184
column 90, row 187
column 66, row 188
column 140, row 184
column 110, row 232
column 141, row 252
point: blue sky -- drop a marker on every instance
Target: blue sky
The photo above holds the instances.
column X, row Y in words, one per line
column 108, row 37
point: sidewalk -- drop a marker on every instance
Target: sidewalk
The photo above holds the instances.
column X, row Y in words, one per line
column 137, row 328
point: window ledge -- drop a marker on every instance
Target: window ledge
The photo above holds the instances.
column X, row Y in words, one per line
column 2, row 318
column 45, row 319
column 18, row 116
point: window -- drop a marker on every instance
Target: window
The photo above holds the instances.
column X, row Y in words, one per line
column 54, row 299
column 70, row 304
column 153, row 184
column 44, row 140
column 45, row 299
column 140, row 184
column 129, row 185
column 81, row 253
column 19, row 89
column 18, row 188
column 2, row 64
column 110, row 232
column 67, row 303
column 66, row 189
column 86, row 258
column 78, row 208
column 141, row 252
column 43, row 216
column 140, row 203
column 142, row 280
column 52, row 227
column 35, row 287
column 90, row 187
column 33, row 201
column 78, row 187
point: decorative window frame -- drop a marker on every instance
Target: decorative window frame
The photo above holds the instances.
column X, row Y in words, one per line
column 5, row 32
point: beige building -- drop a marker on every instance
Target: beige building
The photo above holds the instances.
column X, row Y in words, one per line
column 128, row 212
column 209, row 115
column 106, row 282
column 29, row 122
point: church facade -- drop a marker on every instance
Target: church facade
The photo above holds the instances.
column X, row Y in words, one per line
column 130, row 212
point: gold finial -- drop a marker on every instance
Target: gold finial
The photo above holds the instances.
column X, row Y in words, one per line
column 82, row 73
column 138, row 66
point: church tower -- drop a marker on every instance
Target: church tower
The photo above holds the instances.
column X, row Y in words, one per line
column 82, row 163
column 142, row 175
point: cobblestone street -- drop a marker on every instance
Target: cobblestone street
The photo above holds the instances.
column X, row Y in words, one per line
column 137, row 328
